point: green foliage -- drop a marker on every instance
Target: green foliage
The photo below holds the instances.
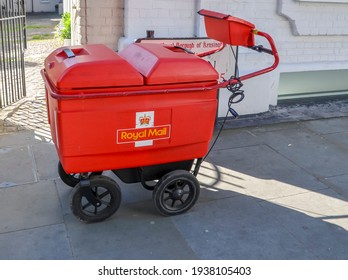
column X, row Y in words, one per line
column 64, row 27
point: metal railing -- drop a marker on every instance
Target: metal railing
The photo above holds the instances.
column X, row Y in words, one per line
column 12, row 46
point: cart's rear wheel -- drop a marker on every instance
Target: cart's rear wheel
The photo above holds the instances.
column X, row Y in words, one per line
column 95, row 199
column 176, row 192
column 72, row 179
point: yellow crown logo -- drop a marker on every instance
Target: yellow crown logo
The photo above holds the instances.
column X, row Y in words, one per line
column 145, row 120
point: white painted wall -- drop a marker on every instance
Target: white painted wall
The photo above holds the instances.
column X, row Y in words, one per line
column 38, row 6
column 310, row 35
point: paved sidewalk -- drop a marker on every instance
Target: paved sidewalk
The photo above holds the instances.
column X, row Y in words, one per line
column 270, row 192
column 276, row 191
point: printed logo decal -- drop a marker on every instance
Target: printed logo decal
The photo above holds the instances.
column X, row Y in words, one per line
column 145, row 120
column 145, row 132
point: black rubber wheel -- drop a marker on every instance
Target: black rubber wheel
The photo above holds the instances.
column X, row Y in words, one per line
column 106, row 193
column 74, row 178
column 176, row 193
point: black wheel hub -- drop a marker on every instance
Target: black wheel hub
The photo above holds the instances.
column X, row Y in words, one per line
column 178, row 194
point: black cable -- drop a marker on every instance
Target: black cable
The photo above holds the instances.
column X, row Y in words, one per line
column 217, row 136
column 235, row 88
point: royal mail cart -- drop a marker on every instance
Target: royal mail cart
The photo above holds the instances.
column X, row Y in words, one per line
column 147, row 113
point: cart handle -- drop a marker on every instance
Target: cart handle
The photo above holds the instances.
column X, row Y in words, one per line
column 273, row 51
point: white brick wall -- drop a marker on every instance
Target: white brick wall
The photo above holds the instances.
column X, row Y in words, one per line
column 304, row 31
column 314, row 18
column 310, row 35
column 313, row 33
column 97, row 22
column 167, row 18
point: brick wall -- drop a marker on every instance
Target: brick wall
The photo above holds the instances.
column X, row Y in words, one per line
column 315, row 32
column 97, row 22
column 167, row 18
column 310, row 35
column 305, row 31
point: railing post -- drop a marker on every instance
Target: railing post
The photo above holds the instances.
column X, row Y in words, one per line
column 12, row 46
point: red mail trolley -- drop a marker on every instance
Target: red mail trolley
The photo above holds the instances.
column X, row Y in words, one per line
column 147, row 113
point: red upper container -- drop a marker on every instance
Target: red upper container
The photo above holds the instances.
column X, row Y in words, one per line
column 228, row 29
column 148, row 105
column 90, row 66
column 163, row 64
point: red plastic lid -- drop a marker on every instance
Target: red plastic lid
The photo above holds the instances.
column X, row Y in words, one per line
column 89, row 66
column 164, row 64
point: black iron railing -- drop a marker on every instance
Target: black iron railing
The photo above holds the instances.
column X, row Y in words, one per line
column 12, row 46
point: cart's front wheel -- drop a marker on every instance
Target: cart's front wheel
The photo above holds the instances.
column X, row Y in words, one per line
column 96, row 199
column 72, row 179
column 176, row 192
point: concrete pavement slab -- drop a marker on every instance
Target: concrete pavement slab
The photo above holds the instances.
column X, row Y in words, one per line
column 310, row 151
column 319, row 204
column 238, row 138
column 339, row 140
column 22, row 138
column 46, row 161
column 64, row 193
column 41, row 243
column 16, row 166
column 326, row 126
column 29, row 206
column 264, row 173
column 339, row 183
column 258, row 129
column 218, row 182
column 322, row 233
column 136, row 231
column 238, row 228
